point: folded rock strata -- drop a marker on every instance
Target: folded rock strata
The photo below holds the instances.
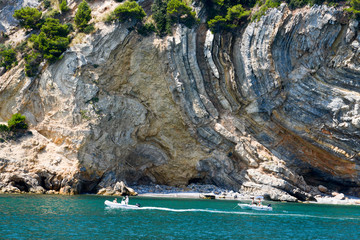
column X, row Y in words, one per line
column 273, row 109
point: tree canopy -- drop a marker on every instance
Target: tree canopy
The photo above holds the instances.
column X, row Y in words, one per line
column 179, row 12
column 7, row 58
column 83, row 15
column 159, row 9
column 32, row 62
column 52, row 40
column 17, row 121
column 129, row 10
column 28, row 17
column 236, row 13
column 63, row 6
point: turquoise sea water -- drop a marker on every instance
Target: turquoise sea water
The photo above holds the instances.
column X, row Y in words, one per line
column 86, row 217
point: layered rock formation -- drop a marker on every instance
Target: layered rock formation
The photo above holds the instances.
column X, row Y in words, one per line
column 272, row 109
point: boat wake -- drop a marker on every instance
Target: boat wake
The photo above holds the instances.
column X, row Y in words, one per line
column 250, row 213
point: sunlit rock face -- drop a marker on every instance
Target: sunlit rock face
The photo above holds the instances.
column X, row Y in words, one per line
column 271, row 109
column 7, row 8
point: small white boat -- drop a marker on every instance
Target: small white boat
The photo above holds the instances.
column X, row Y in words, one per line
column 121, row 205
column 255, row 207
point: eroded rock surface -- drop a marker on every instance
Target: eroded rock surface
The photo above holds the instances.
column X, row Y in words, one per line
column 271, row 110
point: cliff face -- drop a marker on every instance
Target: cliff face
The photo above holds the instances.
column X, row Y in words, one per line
column 271, row 109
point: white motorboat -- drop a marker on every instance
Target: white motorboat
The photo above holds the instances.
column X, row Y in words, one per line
column 121, row 205
column 255, row 207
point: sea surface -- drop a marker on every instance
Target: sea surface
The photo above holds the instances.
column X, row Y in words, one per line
column 86, row 217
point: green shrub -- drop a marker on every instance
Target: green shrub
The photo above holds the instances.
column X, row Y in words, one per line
column 146, row 29
column 84, row 115
column 293, row 4
column 64, row 7
column 8, row 58
column 159, row 15
column 354, row 9
column 28, row 17
column 47, row 4
column 179, row 12
column 52, row 40
column 129, row 10
column 89, row 29
column 50, row 47
column 268, row 4
column 17, row 121
column 110, row 18
column 21, row 47
column 52, row 13
column 236, row 13
column 70, row 27
column 32, row 62
column 53, row 28
column 83, row 15
column 218, row 23
column 4, row 128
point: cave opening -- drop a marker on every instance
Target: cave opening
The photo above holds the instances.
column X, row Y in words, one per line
column 42, row 182
column 21, row 185
column 196, row 181
column 144, row 180
column 89, row 187
column 316, row 178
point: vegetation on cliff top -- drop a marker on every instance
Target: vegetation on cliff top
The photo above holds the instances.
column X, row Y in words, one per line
column 128, row 11
column 51, row 32
column 167, row 13
column 50, row 38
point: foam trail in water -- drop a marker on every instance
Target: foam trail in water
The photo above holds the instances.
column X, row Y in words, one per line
column 243, row 213
column 191, row 210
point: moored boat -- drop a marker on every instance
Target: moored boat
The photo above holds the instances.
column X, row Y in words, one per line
column 121, row 205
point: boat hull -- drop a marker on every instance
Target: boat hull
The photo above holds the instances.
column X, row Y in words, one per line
column 119, row 205
column 254, row 207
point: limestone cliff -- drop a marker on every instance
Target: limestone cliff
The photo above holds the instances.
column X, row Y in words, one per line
column 272, row 109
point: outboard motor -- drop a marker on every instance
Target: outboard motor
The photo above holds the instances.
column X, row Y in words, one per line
column 269, row 205
column 138, row 204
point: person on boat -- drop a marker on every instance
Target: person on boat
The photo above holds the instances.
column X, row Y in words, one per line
column 126, row 200
column 252, row 201
column 123, row 200
column 115, row 200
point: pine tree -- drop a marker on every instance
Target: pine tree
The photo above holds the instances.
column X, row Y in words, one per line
column 83, row 15
column 28, row 17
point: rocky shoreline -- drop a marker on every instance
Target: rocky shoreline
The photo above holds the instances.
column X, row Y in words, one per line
column 195, row 191
column 201, row 191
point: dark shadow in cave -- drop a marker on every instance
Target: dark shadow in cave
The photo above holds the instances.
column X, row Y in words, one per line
column 21, row 185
